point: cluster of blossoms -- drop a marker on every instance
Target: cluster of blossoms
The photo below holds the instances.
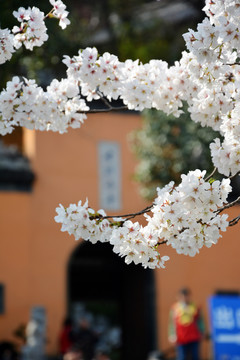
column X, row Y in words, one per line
column 212, row 69
column 137, row 244
column 136, row 84
column 185, row 217
column 226, row 155
column 26, row 104
column 131, row 240
column 83, row 222
column 207, row 77
column 140, row 86
column 6, row 45
column 217, row 39
column 59, row 12
column 32, row 30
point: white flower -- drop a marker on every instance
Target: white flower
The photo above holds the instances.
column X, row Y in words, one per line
column 182, row 216
column 22, row 14
column 226, row 156
column 26, row 104
column 32, row 31
column 6, row 45
column 60, row 13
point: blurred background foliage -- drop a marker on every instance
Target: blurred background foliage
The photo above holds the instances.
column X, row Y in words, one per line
column 168, row 147
column 144, row 29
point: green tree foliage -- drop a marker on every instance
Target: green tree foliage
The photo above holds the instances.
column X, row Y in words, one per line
column 167, row 147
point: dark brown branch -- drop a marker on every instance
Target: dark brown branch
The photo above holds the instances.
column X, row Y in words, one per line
column 22, row 30
column 104, row 100
column 234, row 221
column 107, row 104
column 126, row 216
column 162, row 242
column 111, row 108
column 227, row 206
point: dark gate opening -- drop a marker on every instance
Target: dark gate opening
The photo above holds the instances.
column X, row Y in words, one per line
column 102, row 281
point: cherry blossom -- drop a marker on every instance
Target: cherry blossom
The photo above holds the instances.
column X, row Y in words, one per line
column 32, row 30
column 60, row 13
column 6, row 45
column 24, row 103
column 187, row 216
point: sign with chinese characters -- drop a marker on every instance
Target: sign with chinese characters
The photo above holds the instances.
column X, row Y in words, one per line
column 225, row 326
column 109, row 175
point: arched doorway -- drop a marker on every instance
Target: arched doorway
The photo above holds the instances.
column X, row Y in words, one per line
column 98, row 276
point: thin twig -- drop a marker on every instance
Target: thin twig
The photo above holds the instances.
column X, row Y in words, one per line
column 104, row 100
column 211, row 175
column 112, row 108
column 21, row 31
column 108, row 105
column 227, row 206
column 233, row 176
column 49, row 14
column 234, row 221
column 127, row 216
column 147, row 209
column 162, row 242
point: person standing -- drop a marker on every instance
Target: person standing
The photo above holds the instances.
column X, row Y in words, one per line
column 85, row 339
column 65, row 337
column 186, row 326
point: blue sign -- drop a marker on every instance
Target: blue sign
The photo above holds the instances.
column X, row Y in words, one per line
column 225, row 325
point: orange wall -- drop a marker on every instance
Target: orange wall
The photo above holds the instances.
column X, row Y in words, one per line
column 66, row 171
column 34, row 252
column 14, row 260
column 216, row 268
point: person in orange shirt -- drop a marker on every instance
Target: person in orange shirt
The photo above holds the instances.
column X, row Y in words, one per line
column 186, row 326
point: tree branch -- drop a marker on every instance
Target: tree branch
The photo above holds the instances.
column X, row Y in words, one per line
column 107, row 104
column 162, row 242
column 111, row 108
column 233, row 176
column 227, row 206
column 236, row 63
column 234, row 221
column 211, row 175
column 130, row 216
column 127, row 216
